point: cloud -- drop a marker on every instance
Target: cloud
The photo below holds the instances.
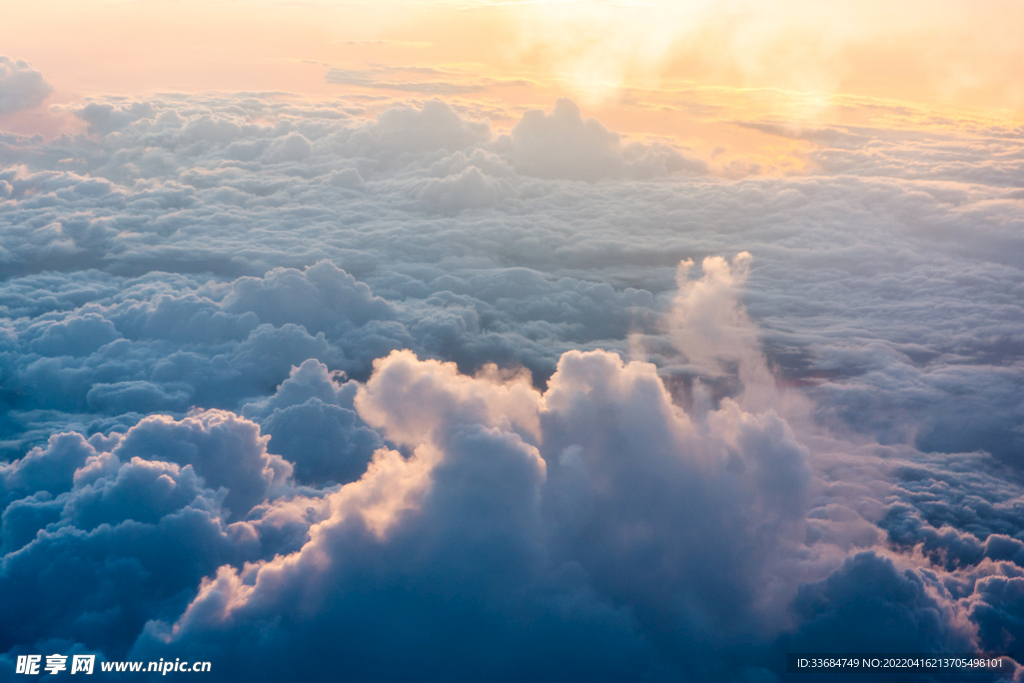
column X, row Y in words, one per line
column 467, row 190
column 480, row 513
column 370, row 79
column 475, row 214
column 224, row 450
column 21, row 86
column 564, row 145
column 311, row 421
column 433, row 127
column 444, row 83
column 997, row 610
column 49, row 469
column 135, row 395
column 881, row 608
column 108, row 118
column 292, row 147
column 77, row 336
column 142, row 520
column 281, row 379
column 945, row 152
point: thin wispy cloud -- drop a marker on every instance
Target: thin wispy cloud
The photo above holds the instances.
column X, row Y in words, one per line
column 446, row 83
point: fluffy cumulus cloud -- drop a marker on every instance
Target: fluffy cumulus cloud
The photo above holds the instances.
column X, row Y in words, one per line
column 295, row 389
column 563, row 144
column 21, row 86
column 559, row 509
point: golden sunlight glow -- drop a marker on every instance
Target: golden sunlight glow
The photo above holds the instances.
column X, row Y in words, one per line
column 686, row 70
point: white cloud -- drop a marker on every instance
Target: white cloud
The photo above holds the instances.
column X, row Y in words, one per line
column 21, row 86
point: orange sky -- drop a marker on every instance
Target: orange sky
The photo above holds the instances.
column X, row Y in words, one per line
column 677, row 69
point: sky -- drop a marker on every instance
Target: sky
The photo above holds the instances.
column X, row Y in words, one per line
column 596, row 341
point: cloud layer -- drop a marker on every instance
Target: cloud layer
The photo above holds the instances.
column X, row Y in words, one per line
column 21, row 86
column 283, row 383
